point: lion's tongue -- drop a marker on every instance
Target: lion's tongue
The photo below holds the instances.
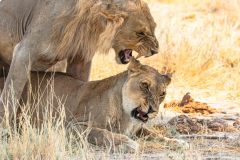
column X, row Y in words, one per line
column 125, row 56
column 128, row 54
column 142, row 115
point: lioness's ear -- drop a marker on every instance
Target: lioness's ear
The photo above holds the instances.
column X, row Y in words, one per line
column 168, row 78
column 134, row 66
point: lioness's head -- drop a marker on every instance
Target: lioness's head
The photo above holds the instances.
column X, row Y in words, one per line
column 143, row 91
column 136, row 32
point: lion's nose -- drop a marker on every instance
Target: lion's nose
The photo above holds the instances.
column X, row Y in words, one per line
column 153, row 52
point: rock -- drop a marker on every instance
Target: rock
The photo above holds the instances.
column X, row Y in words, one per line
column 236, row 124
column 185, row 125
column 186, row 99
column 217, row 124
column 188, row 105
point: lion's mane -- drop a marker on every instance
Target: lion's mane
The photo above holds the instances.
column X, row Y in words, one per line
column 89, row 26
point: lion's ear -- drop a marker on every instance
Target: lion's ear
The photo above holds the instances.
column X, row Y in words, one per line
column 134, row 66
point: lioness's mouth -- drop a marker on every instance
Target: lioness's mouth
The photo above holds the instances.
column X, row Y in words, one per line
column 139, row 114
column 125, row 55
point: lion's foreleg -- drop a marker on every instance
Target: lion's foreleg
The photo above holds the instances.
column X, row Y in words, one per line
column 16, row 79
column 79, row 68
column 103, row 137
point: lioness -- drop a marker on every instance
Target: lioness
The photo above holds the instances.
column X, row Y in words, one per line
column 35, row 34
column 115, row 107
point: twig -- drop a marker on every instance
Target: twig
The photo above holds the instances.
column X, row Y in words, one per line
column 219, row 137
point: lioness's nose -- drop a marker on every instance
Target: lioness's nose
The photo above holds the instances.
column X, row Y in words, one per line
column 153, row 52
column 150, row 110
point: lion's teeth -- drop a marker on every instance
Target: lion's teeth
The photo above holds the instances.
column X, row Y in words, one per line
column 138, row 114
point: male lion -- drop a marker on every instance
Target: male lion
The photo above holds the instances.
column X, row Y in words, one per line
column 114, row 108
column 35, row 34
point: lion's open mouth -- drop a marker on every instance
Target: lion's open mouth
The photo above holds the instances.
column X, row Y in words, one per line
column 125, row 55
column 138, row 114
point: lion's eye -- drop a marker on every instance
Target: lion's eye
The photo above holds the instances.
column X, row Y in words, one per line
column 141, row 33
column 144, row 85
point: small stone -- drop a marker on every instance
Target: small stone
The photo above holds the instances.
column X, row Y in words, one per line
column 237, row 123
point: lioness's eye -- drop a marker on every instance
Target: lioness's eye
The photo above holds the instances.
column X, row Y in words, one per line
column 144, row 86
column 162, row 94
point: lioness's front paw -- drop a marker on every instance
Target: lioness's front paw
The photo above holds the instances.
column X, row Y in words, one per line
column 133, row 144
column 125, row 144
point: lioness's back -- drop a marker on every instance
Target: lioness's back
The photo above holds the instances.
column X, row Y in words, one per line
column 48, row 84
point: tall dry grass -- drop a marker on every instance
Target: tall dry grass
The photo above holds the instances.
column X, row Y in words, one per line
column 201, row 44
column 49, row 137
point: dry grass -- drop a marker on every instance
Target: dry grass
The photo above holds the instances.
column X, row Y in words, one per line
column 49, row 139
column 199, row 41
